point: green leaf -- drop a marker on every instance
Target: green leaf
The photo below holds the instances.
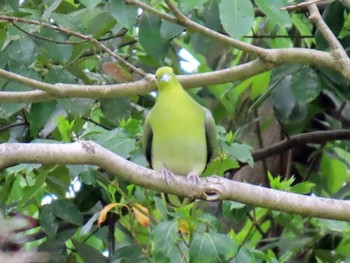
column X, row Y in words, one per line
column 48, row 221
column 211, row 247
column 125, row 14
column 50, row 50
column 116, row 109
column 304, row 28
column 14, row 4
column 234, row 210
column 39, row 114
column 86, row 173
column 58, row 181
column 278, row 183
column 187, row 6
column 259, row 84
column 241, row 152
column 302, row 188
column 219, row 166
column 87, row 197
column 65, row 128
column 272, row 8
column 67, row 211
column 293, row 89
column 48, row 11
column 333, row 174
column 22, row 50
column 91, row 3
column 306, row 85
column 164, row 237
column 76, row 107
column 161, row 206
column 244, row 255
column 150, row 36
column 170, row 30
column 131, row 253
column 88, row 253
column 56, row 249
column 236, row 17
column 100, row 24
column 334, row 225
column 116, row 141
column 31, row 191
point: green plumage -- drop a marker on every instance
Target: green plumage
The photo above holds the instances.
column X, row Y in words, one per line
column 179, row 134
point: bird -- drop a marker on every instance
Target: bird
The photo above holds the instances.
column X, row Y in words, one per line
column 179, row 135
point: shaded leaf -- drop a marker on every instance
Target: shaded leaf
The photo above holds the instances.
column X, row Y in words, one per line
column 48, row 221
column 125, row 14
column 236, row 17
column 67, row 211
column 90, row 3
column 88, row 253
column 272, row 8
column 241, row 152
column 187, row 6
column 164, row 237
column 116, row 141
column 211, row 247
column 150, row 36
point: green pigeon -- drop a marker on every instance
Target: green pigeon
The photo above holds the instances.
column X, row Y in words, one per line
column 179, row 134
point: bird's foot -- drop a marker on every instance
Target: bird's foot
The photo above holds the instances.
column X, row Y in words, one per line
column 193, row 177
column 167, row 174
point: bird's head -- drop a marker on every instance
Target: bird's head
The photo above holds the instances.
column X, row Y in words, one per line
column 165, row 76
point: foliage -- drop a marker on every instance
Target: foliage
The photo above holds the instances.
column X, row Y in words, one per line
column 65, row 201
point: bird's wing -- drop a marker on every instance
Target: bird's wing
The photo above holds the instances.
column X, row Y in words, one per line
column 147, row 140
column 210, row 134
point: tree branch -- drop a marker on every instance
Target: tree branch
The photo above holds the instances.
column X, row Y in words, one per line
column 147, row 84
column 338, row 51
column 300, row 139
column 274, row 56
column 210, row 188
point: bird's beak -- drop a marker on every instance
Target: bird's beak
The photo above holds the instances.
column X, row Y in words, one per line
column 165, row 77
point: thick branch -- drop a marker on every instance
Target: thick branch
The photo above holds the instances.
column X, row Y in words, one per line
column 211, row 188
column 147, row 84
column 125, row 89
column 301, row 139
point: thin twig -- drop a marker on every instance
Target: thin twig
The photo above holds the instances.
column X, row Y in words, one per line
column 48, row 39
column 68, row 32
column 298, row 6
column 279, row 36
column 199, row 28
column 6, row 127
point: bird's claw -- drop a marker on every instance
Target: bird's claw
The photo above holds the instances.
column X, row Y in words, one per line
column 167, row 174
column 193, row 177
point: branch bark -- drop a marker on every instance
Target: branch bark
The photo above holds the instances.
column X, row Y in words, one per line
column 211, row 188
column 300, row 139
column 62, row 90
